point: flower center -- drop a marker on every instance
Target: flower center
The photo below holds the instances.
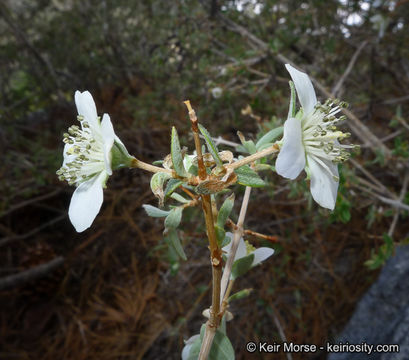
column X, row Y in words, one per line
column 83, row 154
column 320, row 135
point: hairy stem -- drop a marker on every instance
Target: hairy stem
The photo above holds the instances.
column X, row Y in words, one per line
column 151, row 168
column 258, row 155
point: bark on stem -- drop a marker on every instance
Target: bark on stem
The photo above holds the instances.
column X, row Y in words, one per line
column 215, row 252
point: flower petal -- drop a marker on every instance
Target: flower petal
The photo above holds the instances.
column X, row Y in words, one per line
column 86, row 107
column 305, row 90
column 86, row 202
column 108, row 136
column 262, row 254
column 291, row 159
column 323, row 186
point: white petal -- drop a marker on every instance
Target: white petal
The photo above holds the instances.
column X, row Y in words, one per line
column 291, row 159
column 323, row 186
column 262, row 254
column 108, row 136
column 86, row 107
column 305, row 90
column 86, row 202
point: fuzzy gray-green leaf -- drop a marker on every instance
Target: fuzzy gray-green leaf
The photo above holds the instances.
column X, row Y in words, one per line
column 172, row 221
column 174, row 241
column 154, row 211
column 248, row 177
column 176, row 154
column 211, row 146
column 241, row 266
column 269, row 138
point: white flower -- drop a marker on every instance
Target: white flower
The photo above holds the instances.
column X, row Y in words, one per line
column 217, row 92
column 310, row 141
column 244, row 249
column 88, row 160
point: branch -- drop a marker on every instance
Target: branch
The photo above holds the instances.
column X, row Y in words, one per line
column 349, row 68
column 30, row 274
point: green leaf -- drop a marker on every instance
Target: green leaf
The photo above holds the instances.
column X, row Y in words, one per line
column 240, row 294
column 172, row 221
column 248, row 145
column 211, row 146
column 248, row 177
column 176, row 154
column 179, row 198
column 225, row 211
column 154, row 211
column 222, row 348
column 269, row 138
column 241, row 266
column 157, row 182
column 175, row 243
column 171, row 186
column 220, row 234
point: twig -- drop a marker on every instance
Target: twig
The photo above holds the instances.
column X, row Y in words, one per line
column 30, row 201
column 351, row 64
column 138, row 164
column 6, row 240
column 258, row 155
column 237, row 234
column 215, row 253
column 30, row 274
column 395, row 100
column 401, row 197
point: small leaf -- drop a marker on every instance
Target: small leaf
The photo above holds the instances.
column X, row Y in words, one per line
column 154, row 211
column 176, row 154
column 157, row 182
column 211, row 146
column 220, row 234
column 241, row 266
column 174, row 241
column 240, row 294
column 248, row 145
column 269, row 137
column 179, row 198
column 172, row 221
column 222, row 348
column 248, row 177
column 225, row 211
column 171, row 186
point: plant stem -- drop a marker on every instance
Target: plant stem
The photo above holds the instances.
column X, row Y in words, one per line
column 258, row 155
column 215, row 251
column 151, row 168
column 237, row 234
